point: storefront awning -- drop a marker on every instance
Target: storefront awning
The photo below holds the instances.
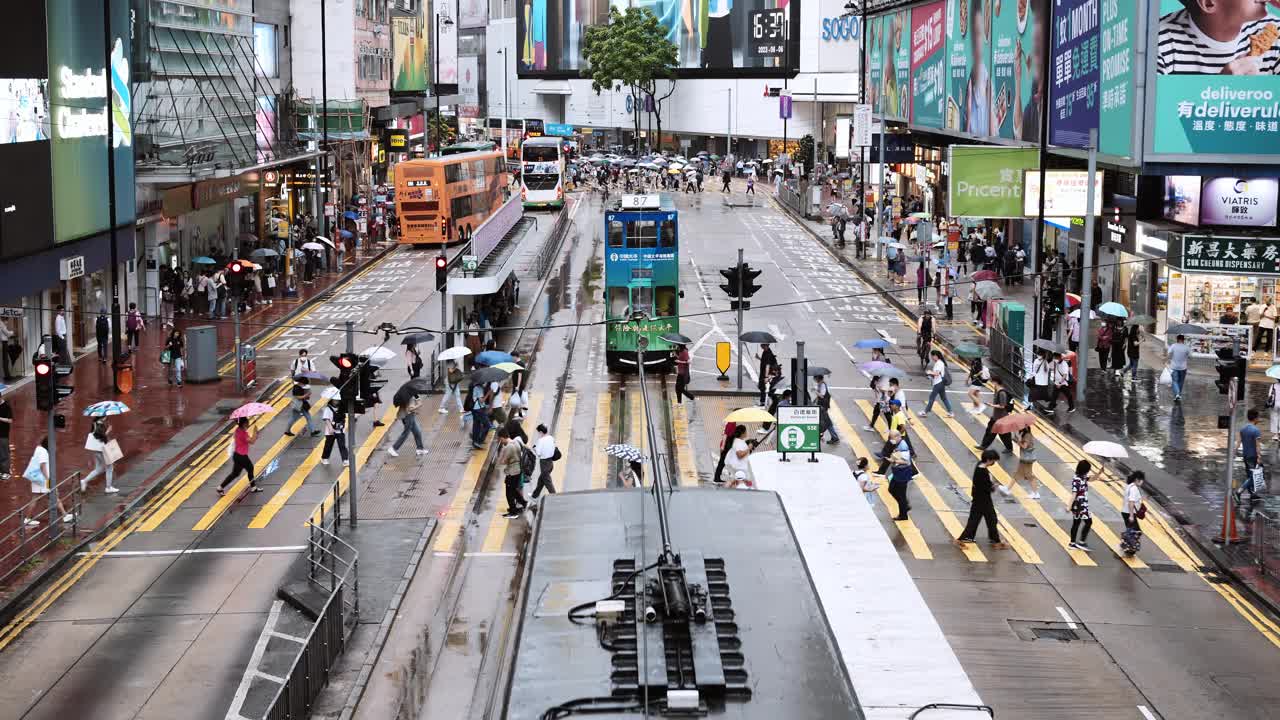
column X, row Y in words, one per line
column 553, row 87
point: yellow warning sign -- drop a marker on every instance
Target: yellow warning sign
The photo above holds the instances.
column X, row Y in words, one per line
column 723, row 359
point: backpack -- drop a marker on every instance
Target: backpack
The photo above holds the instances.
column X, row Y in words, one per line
column 134, row 321
column 528, row 461
column 1104, row 336
column 946, row 375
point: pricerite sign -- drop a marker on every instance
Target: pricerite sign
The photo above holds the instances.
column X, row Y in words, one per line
column 987, row 181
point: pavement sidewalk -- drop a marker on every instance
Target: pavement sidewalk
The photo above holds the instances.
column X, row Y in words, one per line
column 1177, row 445
column 163, row 423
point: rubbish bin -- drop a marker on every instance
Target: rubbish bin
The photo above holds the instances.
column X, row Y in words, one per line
column 202, row 354
column 124, row 372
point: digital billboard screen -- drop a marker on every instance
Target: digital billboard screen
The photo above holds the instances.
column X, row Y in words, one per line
column 1182, row 199
column 1239, row 202
column 712, row 38
column 1215, row 86
column 408, row 55
column 26, row 202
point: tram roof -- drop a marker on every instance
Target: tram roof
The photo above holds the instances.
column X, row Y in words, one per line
column 647, row 202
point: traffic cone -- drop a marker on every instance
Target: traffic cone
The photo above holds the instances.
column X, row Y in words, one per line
column 1229, row 535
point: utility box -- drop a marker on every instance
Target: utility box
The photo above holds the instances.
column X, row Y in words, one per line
column 1013, row 318
column 202, row 354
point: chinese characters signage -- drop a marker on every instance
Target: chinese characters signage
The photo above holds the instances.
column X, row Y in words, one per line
column 1225, row 255
column 1066, row 194
column 1220, row 100
column 1091, row 76
column 986, row 182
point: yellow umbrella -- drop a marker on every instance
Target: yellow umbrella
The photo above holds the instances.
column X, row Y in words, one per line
column 749, row 415
column 508, row 367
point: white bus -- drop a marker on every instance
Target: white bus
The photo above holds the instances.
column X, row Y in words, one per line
column 542, row 172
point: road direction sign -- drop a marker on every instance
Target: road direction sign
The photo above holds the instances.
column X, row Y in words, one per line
column 470, row 263
column 798, row 430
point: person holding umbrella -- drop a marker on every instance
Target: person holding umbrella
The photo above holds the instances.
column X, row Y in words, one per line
column 300, row 406
column 334, row 424
column 96, row 444
column 1133, row 349
column 243, row 438
column 1026, row 465
column 767, row 360
column 1001, row 405
column 452, row 388
column 407, row 413
column 982, row 508
column 822, row 395
column 682, row 361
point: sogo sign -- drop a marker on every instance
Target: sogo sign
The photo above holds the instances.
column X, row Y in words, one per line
column 839, row 28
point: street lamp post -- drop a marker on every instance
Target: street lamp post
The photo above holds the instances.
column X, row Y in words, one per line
column 505, row 113
column 448, row 22
column 323, row 180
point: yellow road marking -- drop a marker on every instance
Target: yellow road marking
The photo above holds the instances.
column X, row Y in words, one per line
column 1045, row 521
column 564, row 437
column 915, row 541
column 186, row 484
column 277, row 502
column 360, row 457
column 600, row 461
column 1007, row 532
column 684, row 451
column 497, row 532
column 638, row 434
column 233, row 491
column 945, row 514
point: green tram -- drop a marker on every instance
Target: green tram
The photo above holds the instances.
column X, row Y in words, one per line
column 641, row 279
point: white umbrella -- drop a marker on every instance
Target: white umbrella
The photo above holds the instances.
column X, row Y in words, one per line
column 1106, row 449
column 324, row 240
column 312, row 246
column 378, row 355
column 329, row 393
column 1076, row 313
column 457, row 352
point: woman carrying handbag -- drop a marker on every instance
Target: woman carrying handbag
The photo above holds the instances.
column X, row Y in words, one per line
column 105, row 452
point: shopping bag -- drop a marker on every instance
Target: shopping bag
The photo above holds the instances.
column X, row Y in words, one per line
column 1166, row 376
column 111, row 452
column 1259, row 478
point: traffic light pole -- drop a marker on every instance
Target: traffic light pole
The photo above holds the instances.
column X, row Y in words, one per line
column 353, row 488
column 52, row 430
column 1086, row 297
column 741, row 359
column 1228, row 535
column 235, row 347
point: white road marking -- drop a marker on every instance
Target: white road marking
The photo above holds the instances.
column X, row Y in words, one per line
column 1146, row 713
column 251, row 671
column 1071, row 624
column 200, row 551
column 824, row 327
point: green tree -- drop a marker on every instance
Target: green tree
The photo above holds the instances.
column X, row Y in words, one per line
column 439, row 128
column 632, row 51
column 804, row 153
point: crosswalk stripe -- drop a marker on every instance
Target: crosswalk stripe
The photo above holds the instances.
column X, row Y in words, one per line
column 907, row 528
column 211, row 463
column 360, row 457
column 965, row 483
column 604, row 420
column 637, row 433
column 684, row 451
column 945, row 514
column 497, row 532
column 277, row 502
column 1032, row 506
column 451, row 523
column 564, row 438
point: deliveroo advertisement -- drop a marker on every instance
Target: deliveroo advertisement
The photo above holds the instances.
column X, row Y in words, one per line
column 1216, row 90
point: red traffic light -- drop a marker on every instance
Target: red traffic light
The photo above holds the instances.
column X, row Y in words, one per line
column 44, row 368
column 236, row 268
column 345, row 363
column 441, row 262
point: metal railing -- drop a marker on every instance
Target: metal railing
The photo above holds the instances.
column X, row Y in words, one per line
column 37, row 525
column 953, row 706
column 550, row 249
column 1265, row 530
column 333, row 566
column 1009, row 358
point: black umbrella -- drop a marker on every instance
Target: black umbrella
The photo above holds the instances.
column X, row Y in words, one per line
column 486, row 375
column 410, row 389
column 676, row 338
column 757, row 336
column 416, row 338
column 1049, row 345
column 819, row 371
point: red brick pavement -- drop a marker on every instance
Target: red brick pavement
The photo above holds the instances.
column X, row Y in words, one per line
column 158, row 410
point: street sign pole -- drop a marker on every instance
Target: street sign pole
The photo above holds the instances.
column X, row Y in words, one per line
column 1229, row 535
column 1086, row 297
column 740, row 300
column 352, row 488
column 52, row 429
column 235, row 312
column 883, row 195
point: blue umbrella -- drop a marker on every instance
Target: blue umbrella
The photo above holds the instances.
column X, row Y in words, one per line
column 105, row 408
column 1114, row 309
column 871, row 344
column 204, row 260
column 350, row 215
column 493, row 357
column 344, row 233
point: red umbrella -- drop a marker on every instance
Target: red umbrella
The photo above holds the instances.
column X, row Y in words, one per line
column 1073, row 301
column 1014, row 422
column 985, row 275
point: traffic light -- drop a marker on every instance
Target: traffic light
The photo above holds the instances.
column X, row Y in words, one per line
column 49, row 389
column 44, row 384
column 345, row 381
column 1230, row 366
column 370, row 384
column 442, row 272
column 747, row 278
column 236, row 272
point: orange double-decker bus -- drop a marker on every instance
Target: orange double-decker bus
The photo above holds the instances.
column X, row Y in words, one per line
column 442, row 200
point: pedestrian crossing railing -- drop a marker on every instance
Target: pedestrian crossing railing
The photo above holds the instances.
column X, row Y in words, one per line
column 39, row 524
column 333, row 568
column 1008, row 357
column 1265, row 531
column 550, row 250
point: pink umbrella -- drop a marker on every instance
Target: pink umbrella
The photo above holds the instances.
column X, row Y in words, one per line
column 251, row 409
